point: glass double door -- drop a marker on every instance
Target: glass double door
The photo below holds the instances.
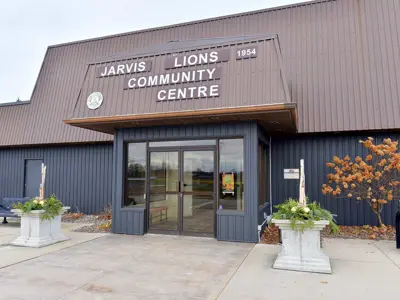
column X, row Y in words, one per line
column 182, row 191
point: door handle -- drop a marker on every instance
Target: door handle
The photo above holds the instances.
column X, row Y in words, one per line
column 179, row 186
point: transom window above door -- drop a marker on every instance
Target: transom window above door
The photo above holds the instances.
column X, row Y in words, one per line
column 183, row 143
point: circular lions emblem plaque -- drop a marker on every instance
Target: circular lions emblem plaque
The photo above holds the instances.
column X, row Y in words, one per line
column 94, row 100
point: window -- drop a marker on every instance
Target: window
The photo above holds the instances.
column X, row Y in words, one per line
column 231, row 174
column 263, row 174
column 135, row 182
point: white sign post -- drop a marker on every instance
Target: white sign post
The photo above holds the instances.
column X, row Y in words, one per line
column 302, row 197
column 41, row 194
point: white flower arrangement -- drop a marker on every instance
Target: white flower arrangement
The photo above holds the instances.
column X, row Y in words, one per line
column 51, row 207
column 303, row 216
column 300, row 207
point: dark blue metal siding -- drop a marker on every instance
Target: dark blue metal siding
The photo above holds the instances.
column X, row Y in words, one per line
column 125, row 220
column 232, row 221
column 130, row 221
column 186, row 132
column 263, row 138
column 316, row 151
column 80, row 176
column 232, row 226
column 251, row 184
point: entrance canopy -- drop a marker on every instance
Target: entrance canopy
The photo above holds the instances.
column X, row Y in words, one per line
column 186, row 82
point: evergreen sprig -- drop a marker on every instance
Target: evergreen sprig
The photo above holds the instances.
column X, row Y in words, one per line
column 302, row 218
column 51, row 206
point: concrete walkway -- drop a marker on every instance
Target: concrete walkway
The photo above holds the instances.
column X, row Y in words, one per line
column 102, row 267
column 361, row 270
column 10, row 255
column 128, row 267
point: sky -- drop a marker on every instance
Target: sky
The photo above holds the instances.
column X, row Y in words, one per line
column 28, row 27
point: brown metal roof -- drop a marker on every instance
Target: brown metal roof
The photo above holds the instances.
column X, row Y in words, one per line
column 341, row 59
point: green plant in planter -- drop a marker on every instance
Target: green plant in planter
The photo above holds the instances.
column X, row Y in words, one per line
column 303, row 217
column 52, row 207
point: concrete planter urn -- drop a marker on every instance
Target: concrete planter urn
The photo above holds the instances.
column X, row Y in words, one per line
column 301, row 250
column 36, row 232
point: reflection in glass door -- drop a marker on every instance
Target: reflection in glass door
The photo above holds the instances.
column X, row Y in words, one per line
column 198, row 211
column 164, row 191
column 181, row 191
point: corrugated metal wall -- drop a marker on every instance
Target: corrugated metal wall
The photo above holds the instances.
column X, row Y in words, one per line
column 235, row 222
column 265, row 209
column 80, row 176
column 316, row 151
column 232, row 225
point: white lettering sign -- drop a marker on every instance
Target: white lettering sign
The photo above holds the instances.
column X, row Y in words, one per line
column 195, row 59
column 125, row 68
column 173, row 78
column 192, row 92
column 249, row 52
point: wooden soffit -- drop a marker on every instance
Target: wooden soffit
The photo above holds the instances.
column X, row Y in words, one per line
column 275, row 118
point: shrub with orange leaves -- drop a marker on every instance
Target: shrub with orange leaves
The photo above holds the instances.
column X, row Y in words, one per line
column 374, row 179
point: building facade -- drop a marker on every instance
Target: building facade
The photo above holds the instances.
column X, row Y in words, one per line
column 188, row 128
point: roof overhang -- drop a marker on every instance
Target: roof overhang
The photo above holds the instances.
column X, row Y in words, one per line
column 275, row 118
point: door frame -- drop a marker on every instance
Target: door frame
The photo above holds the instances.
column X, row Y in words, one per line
column 180, row 194
column 26, row 173
column 214, row 192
